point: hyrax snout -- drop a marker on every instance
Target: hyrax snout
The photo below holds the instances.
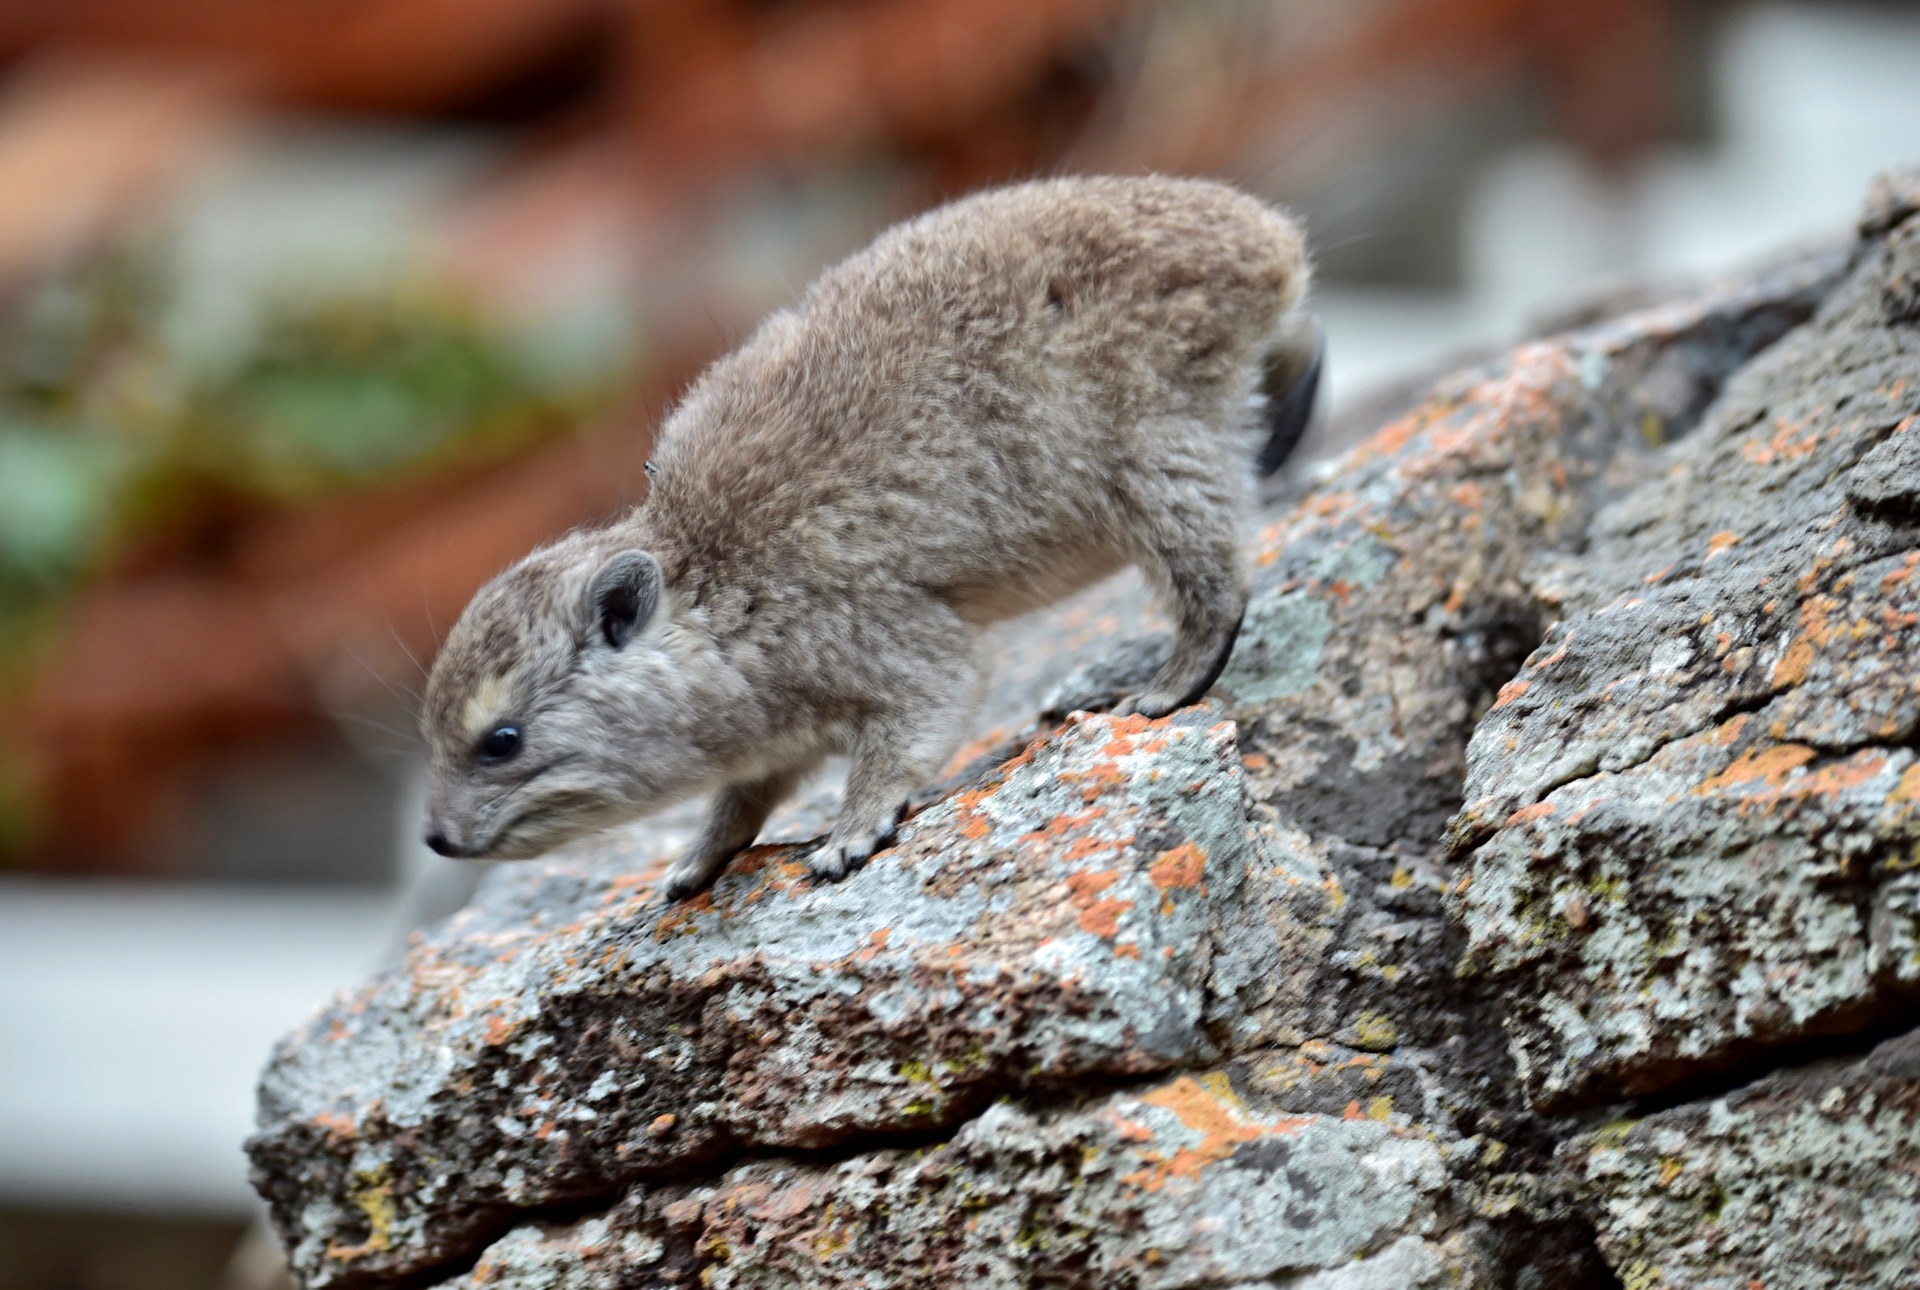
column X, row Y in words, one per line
column 991, row 406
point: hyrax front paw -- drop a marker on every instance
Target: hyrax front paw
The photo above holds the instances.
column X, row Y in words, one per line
column 688, row 877
column 842, row 854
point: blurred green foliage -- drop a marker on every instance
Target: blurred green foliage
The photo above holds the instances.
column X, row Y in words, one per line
column 109, row 434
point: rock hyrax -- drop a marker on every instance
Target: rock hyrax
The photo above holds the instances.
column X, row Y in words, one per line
column 991, row 406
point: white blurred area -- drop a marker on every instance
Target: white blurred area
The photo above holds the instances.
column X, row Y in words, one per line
column 1810, row 101
column 133, row 1020
column 136, row 1018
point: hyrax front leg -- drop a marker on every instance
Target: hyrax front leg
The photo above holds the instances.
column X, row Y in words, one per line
column 896, row 751
column 733, row 821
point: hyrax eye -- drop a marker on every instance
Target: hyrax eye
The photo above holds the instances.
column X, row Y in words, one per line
column 500, row 743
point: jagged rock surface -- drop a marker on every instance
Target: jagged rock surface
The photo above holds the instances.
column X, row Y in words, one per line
column 1697, row 805
column 1803, row 1181
column 1175, row 1004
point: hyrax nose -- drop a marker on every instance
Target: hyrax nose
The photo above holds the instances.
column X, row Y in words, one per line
column 442, row 844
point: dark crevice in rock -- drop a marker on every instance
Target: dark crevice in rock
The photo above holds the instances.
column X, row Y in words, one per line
column 1556, row 1254
column 1843, row 1036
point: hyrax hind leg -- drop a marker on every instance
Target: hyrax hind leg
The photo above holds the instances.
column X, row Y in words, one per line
column 1188, row 511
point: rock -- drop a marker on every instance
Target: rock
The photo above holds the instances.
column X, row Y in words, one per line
column 565, row 1036
column 1692, row 813
column 1802, row 1181
column 1176, row 1004
column 1105, row 1195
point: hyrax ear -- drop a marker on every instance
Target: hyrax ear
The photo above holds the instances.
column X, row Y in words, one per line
column 625, row 593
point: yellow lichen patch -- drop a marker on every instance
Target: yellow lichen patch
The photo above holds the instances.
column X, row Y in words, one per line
column 372, row 1194
column 1641, row 1274
column 1669, row 1170
column 1908, row 789
column 1375, row 1031
column 1769, row 765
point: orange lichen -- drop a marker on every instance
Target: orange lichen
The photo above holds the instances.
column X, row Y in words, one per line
column 339, row 1126
column 1213, row 1113
column 1180, row 867
column 1102, row 917
column 499, row 1029
column 1727, row 731
column 1084, row 847
column 1901, row 574
column 1061, row 825
column 1791, row 439
column 1509, row 692
column 1098, row 916
column 1771, row 766
column 1720, row 542
column 1539, row 810
column 1657, row 575
column 1792, row 668
column 1908, row 789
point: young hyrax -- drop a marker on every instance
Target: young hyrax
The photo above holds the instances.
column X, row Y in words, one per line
column 992, row 406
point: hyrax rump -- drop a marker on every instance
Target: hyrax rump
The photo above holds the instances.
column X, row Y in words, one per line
column 991, row 406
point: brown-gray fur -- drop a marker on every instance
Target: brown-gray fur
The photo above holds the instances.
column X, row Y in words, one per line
column 991, row 406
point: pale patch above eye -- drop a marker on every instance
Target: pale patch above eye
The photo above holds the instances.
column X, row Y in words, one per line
column 492, row 699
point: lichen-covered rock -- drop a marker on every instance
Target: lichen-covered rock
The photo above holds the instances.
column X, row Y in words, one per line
column 1803, row 1181
column 1175, row 1004
column 566, row 1036
column 1180, row 1185
column 1694, row 810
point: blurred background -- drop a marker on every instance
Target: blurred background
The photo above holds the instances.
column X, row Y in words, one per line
column 315, row 314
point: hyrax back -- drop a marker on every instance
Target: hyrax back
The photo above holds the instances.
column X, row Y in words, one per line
column 991, row 406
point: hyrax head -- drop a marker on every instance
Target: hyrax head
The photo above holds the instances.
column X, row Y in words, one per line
column 564, row 701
